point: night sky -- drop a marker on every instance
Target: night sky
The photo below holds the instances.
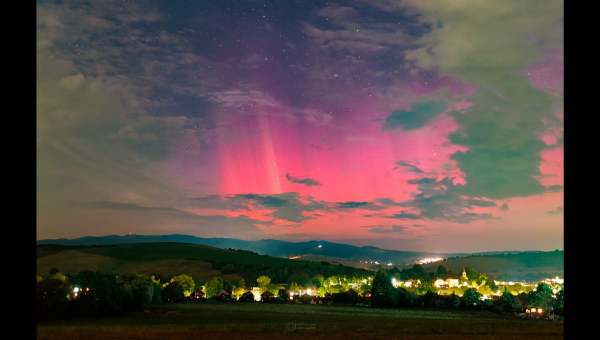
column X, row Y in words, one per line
column 411, row 125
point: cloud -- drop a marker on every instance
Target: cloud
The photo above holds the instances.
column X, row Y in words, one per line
column 441, row 200
column 405, row 216
column 460, row 42
column 359, row 205
column 306, row 181
column 412, row 168
column 503, row 156
column 288, row 206
column 558, row 211
column 148, row 220
column 100, row 80
column 501, row 129
column 120, row 206
column 555, row 188
column 380, row 229
column 415, row 118
column 479, row 203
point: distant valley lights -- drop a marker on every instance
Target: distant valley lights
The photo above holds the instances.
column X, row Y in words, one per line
column 430, row 260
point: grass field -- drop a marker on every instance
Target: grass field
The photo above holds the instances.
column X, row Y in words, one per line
column 270, row 321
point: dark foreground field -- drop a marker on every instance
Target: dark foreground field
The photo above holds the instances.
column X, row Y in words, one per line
column 270, row 321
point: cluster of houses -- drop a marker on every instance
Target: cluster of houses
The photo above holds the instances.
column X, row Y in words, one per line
column 311, row 295
column 306, row 295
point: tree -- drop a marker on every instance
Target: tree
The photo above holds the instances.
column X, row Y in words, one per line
column 139, row 290
column 426, row 286
column 53, row 271
column 541, row 297
column 294, row 287
column 186, row 282
column 273, row 288
column 228, row 286
column 508, row 301
column 172, row 291
column 304, row 279
column 241, row 284
column 228, row 269
column 318, row 280
column 418, row 269
column 239, row 291
column 213, row 286
column 364, row 287
column 441, row 270
column 102, row 295
column 60, row 277
column 471, row 274
column 383, row 293
column 559, row 303
column 263, row 280
column 406, row 298
column 487, row 303
column 472, row 297
column 51, row 297
column 560, row 299
column 481, row 279
column 493, row 286
column 456, row 302
column 157, row 296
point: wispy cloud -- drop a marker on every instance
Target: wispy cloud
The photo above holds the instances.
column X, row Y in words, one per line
column 380, row 229
column 306, row 181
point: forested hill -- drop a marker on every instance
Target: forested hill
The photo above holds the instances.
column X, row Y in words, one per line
column 527, row 266
column 264, row 247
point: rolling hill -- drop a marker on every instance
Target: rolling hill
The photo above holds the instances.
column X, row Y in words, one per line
column 509, row 267
column 327, row 250
column 167, row 255
column 164, row 259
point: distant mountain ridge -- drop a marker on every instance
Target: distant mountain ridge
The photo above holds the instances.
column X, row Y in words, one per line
column 269, row 247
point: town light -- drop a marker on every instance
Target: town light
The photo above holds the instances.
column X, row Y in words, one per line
column 533, row 310
column 540, row 310
column 308, row 291
column 430, row 260
column 291, row 293
column 76, row 289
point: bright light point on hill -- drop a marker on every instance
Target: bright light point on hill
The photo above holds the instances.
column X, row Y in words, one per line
column 320, row 246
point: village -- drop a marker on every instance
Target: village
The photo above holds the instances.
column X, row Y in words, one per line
column 359, row 293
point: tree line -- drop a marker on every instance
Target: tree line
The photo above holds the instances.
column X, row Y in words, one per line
column 99, row 293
